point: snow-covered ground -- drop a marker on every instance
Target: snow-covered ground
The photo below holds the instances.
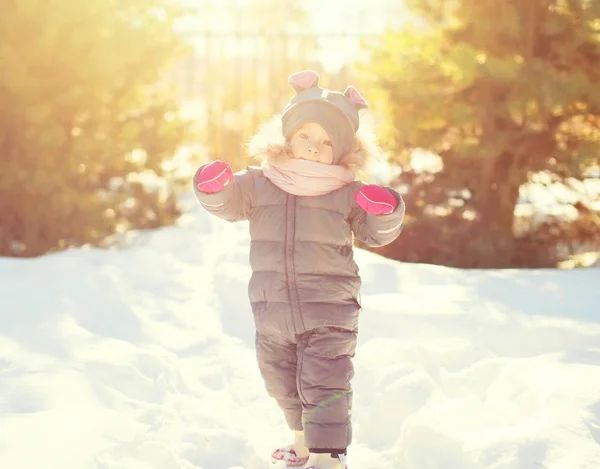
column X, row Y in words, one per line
column 143, row 358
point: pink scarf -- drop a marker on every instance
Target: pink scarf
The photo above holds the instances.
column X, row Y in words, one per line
column 309, row 178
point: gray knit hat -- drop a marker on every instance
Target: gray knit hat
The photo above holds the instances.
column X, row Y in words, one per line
column 336, row 112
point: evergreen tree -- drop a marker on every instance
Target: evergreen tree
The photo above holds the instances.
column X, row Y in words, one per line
column 84, row 114
column 499, row 90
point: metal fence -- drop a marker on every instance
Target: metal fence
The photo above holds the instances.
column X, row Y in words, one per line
column 244, row 52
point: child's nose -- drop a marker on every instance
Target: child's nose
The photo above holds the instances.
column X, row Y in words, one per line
column 313, row 150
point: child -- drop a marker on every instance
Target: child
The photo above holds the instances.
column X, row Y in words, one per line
column 304, row 205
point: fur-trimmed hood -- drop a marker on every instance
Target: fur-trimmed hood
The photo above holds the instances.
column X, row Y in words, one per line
column 269, row 144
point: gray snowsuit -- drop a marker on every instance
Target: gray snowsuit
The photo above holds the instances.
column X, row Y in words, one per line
column 304, row 293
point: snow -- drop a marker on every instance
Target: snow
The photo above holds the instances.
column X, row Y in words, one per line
column 143, row 358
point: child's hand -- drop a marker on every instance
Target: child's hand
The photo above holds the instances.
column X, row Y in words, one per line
column 376, row 200
column 214, row 177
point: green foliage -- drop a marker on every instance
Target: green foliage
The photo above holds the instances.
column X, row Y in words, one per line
column 84, row 114
column 555, row 240
column 499, row 90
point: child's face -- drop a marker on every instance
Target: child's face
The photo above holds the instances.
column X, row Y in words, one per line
column 311, row 142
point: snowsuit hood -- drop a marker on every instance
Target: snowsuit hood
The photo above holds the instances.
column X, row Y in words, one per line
column 269, row 143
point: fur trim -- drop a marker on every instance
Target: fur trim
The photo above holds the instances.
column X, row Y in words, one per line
column 268, row 143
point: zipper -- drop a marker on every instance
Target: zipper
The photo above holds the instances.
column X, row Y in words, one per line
column 290, row 264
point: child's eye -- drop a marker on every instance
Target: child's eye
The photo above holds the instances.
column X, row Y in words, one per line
column 327, row 142
column 303, row 135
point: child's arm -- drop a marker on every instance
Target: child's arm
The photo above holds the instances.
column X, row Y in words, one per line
column 377, row 216
column 223, row 193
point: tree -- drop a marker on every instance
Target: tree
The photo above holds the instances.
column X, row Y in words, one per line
column 85, row 119
column 499, row 90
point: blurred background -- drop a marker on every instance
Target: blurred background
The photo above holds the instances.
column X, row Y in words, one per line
column 488, row 112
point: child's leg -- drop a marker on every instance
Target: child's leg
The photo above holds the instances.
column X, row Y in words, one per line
column 277, row 364
column 325, row 371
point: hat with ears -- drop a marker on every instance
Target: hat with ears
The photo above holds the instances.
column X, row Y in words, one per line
column 336, row 112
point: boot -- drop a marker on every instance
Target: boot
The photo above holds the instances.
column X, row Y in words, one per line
column 293, row 455
column 326, row 461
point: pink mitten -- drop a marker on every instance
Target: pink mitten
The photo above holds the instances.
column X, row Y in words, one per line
column 213, row 177
column 376, row 200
